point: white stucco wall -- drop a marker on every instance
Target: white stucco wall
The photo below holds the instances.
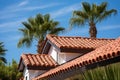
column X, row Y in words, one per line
column 53, row 52
column 62, row 57
column 26, row 73
column 30, row 74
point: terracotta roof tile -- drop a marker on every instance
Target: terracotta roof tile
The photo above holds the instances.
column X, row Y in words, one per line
column 38, row 61
column 64, row 42
column 108, row 51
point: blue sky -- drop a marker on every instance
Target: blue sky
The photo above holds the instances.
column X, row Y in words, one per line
column 13, row 12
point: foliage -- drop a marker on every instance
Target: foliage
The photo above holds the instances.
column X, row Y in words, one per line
column 9, row 72
column 110, row 72
column 2, row 53
column 37, row 28
column 91, row 15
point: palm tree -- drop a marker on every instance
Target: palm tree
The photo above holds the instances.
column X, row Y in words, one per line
column 37, row 28
column 2, row 53
column 91, row 14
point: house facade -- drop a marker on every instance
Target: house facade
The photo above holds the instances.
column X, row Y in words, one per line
column 59, row 54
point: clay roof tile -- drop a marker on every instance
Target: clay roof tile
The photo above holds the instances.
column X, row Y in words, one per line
column 64, row 42
column 108, row 51
column 38, row 61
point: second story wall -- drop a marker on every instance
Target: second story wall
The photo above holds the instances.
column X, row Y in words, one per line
column 66, row 56
column 54, row 53
column 62, row 57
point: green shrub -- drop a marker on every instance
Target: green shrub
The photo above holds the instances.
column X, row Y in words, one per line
column 109, row 72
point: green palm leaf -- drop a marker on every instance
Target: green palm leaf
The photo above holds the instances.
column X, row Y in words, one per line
column 37, row 28
column 91, row 14
column 2, row 53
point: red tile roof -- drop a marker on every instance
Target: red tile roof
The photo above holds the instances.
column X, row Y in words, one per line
column 106, row 52
column 38, row 61
column 77, row 43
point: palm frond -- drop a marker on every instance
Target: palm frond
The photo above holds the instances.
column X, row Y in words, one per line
column 25, row 41
column 106, row 14
column 80, row 14
column 77, row 21
column 2, row 50
column 26, row 32
column 47, row 17
column 53, row 24
column 57, row 30
column 39, row 19
column 3, row 59
column 27, row 25
column 102, row 7
column 86, row 7
column 31, row 21
column 2, row 53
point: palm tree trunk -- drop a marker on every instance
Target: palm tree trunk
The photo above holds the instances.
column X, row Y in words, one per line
column 40, row 46
column 92, row 30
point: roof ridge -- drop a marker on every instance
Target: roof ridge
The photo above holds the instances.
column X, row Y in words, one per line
column 53, row 35
column 75, row 43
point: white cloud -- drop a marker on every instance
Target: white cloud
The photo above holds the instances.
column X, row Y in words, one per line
column 10, row 26
column 23, row 3
column 108, row 27
column 13, row 10
column 8, row 16
column 16, row 8
column 65, row 10
column 31, row 8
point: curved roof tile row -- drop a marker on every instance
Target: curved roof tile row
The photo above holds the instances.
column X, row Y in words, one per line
column 77, row 42
column 38, row 60
column 105, row 52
